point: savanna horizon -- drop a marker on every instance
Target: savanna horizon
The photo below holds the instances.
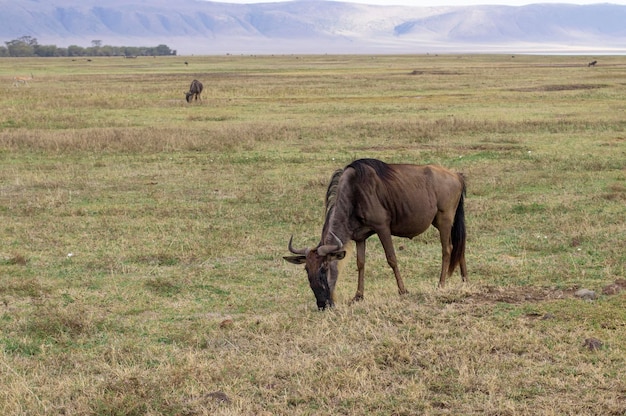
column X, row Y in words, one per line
column 141, row 266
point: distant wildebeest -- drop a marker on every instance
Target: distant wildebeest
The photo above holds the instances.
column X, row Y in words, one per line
column 195, row 89
column 371, row 197
column 592, row 63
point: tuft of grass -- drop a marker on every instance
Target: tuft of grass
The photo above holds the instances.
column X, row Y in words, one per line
column 17, row 259
column 162, row 286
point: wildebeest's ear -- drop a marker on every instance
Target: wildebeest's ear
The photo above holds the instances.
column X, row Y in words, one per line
column 338, row 255
column 296, row 259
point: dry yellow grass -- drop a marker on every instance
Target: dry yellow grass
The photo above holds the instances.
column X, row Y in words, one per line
column 141, row 238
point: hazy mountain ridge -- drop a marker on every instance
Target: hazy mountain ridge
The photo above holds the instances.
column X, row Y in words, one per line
column 535, row 23
column 315, row 26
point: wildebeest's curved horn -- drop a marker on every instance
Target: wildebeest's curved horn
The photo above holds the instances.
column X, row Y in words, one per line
column 296, row 250
column 330, row 248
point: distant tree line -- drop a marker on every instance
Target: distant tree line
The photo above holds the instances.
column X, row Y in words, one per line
column 28, row 46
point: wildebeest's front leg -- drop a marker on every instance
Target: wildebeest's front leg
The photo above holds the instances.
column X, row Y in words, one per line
column 360, row 265
column 386, row 241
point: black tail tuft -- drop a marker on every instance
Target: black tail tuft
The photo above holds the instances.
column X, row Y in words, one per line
column 458, row 234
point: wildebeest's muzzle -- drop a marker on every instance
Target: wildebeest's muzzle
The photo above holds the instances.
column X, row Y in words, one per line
column 322, row 292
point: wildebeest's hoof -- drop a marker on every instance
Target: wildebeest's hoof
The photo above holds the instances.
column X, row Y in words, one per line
column 356, row 298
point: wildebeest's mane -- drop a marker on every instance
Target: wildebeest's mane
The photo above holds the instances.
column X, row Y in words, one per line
column 383, row 170
column 361, row 167
column 331, row 198
column 331, row 192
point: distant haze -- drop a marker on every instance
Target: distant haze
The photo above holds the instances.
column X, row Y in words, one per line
column 197, row 27
column 434, row 3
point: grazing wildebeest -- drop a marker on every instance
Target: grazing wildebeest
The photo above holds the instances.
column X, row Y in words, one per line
column 592, row 63
column 371, row 197
column 195, row 89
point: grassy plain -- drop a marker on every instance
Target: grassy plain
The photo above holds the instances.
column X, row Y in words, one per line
column 141, row 238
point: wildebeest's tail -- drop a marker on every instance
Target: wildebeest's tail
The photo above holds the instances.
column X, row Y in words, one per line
column 458, row 233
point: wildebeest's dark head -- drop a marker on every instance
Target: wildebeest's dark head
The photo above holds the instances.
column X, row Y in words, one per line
column 321, row 267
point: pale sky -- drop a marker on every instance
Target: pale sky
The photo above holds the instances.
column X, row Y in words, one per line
column 435, row 3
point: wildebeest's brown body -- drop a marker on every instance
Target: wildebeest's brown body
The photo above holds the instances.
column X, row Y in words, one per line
column 195, row 89
column 371, row 197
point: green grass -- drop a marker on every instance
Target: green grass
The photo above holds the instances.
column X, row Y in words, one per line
column 141, row 238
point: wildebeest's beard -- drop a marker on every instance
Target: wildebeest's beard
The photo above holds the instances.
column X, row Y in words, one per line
column 321, row 290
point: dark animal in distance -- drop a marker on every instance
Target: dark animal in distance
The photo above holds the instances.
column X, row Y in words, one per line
column 370, row 197
column 592, row 63
column 195, row 89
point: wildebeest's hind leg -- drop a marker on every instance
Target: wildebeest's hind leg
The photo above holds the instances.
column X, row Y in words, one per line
column 463, row 268
column 444, row 225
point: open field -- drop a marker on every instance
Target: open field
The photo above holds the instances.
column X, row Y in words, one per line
column 141, row 238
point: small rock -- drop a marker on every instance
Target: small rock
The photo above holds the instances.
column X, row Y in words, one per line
column 615, row 288
column 586, row 294
column 219, row 396
column 593, row 344
column 612, row 289
column 226, row 323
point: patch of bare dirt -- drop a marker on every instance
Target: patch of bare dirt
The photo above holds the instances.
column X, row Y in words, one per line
column 495, row 147
column 593, row 344
column 525, row 294
column 521, row 294
column 560, row 87
column 434, row 72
